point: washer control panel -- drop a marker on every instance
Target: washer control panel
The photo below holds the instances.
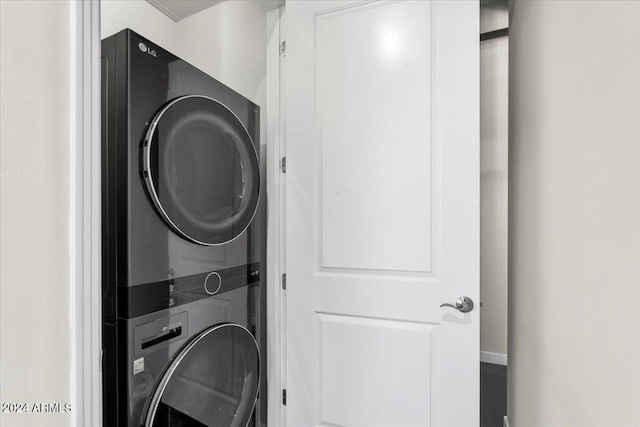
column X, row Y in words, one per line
column 212, row 283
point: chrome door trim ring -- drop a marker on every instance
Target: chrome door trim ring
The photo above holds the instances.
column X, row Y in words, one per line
column 146, row 167
column 159, row 390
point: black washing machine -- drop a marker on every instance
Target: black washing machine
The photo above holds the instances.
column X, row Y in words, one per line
column 184, row 317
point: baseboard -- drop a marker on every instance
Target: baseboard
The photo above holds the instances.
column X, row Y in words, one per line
column 493, row 358
column 506, row 421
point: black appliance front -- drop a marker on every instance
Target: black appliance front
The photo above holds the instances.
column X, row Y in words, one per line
column 181, row 158
column 192, row 366
column 183, row 210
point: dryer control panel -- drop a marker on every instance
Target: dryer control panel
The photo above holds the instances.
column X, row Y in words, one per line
column 138, row 300
column 212, row 283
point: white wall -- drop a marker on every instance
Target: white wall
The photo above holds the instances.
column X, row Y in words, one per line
column 494, row 67
column 493, row 15
column 227, row 41
column 35, row 332
column 574, row 214
column 141, row 17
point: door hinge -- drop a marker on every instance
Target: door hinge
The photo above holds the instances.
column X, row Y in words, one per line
column 283, row 48
column 284, row 397
column 283, row 165
column 284, row 281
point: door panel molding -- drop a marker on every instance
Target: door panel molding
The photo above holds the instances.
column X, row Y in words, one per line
column 339, row 33
column 349, row 346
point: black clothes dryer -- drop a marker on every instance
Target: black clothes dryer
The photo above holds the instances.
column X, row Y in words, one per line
column 183, row 244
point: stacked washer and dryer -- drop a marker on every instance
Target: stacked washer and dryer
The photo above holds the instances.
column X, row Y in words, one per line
column 184, row 323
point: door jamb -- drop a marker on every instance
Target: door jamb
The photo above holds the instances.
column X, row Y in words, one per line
column 275, row 235
column 85, row 214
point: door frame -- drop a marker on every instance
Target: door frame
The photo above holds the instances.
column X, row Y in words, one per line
column 85, row 214
column 276, row 308
column 86, row 219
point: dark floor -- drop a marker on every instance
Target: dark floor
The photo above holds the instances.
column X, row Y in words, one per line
column 493, row 395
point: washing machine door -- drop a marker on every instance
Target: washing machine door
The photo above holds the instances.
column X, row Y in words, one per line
column 201, row 170
column 212, row 382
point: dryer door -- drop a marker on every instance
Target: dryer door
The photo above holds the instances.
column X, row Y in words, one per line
column 200, row 168
column 212, row 382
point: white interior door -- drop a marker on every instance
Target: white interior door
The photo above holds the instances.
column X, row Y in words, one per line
column 382, row 213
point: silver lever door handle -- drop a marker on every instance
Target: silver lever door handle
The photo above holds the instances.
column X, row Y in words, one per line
column 463, row 304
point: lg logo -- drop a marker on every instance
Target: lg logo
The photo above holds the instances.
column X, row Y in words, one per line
column 143, row 47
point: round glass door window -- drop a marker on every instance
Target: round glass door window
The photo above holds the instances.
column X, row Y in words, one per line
column 212, row 382
column 201, row 170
